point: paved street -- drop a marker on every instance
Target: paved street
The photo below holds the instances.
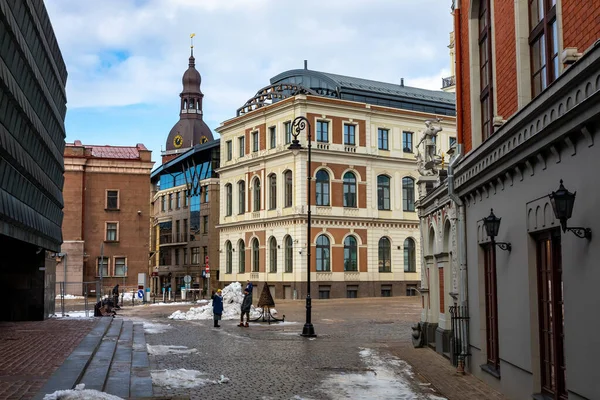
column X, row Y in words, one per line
column 358, row 354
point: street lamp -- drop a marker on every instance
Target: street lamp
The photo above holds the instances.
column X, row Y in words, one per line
column 298, row 125
column 562, row 203
column 492, row 226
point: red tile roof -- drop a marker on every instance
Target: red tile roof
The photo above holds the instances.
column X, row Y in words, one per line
column 114, row 152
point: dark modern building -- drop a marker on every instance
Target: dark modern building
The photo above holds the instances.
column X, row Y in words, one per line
column 32, row 140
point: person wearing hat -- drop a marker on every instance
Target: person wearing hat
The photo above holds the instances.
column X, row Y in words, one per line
column 217, row 308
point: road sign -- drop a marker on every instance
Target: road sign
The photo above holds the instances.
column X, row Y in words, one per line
column 187, row 279
column 206, row 260
column 207, row 268
column 140, row 294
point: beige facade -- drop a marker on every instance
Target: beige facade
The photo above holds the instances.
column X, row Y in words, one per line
column 365, row 231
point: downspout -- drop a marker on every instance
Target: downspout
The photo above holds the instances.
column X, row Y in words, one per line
column 462, row 245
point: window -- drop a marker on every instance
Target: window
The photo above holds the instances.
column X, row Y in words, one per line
column 382, row 138
column 386, row 290
column 178, row 200
column 176, row 251
column 407, row 142
column 195, row 255
column 273, row 255
column 177, row 232
column 165, row 257
column 102, row 266
column 228, row 257
column 410, row 260
column 351, row 291
column 254, row 142
column 289, row 254
column 349, row 190
column 256, row 199
column 112, row 231
column 288, row 132
column 186, row 193
column 241, row 197
column 185, row 231
column 323, row 131
column 205, row 224
column 323, row 253
column 170, row 201
column 491, row 308
column 241, row 257
column 408, row 194
column 322, row 188
column 485, row 69
column 287, row 176
column 324, row 292
column 242, row 145
column 163, row 203
column 350, row 254
column 205, row 192
column 229, row 150
column 385, row 255
column 112, row 199
column 272, row 137
column 228, row 199
column 383, row 192
column 350, row 134
column 255, row 255
column 272, row 192
column 204, row 253
column 543, row 43
column 451, row 142
column 411, row 290
column 185, row 256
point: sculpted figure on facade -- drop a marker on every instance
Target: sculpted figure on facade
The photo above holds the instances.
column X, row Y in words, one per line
column 427, row 164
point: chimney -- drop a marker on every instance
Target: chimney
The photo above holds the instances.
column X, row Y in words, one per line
column 305, row 64
column 402, row 82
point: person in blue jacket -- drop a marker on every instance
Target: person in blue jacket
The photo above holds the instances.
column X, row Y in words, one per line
column 217, row 308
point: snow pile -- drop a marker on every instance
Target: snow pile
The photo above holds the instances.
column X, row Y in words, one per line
column 180, row 378
column 160, row 350
column 151, row 327
column 80, row 393
column 232, row 302
column 75, row 314
column 69, row 296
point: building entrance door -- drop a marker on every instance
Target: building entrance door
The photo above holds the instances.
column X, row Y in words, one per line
column 287, row 292
column 551, row 315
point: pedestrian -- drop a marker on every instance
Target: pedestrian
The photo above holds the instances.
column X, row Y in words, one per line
column 217, row 308
column 246, row 305
column 115, row 293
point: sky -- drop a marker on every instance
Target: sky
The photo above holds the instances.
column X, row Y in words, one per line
column 125, row 58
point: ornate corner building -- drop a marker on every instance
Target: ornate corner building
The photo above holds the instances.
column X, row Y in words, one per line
column 185, row 199
column 365, row 232
column 32, row 138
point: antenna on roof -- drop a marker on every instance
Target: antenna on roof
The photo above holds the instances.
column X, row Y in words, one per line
column 305, row 64
column 402, row 82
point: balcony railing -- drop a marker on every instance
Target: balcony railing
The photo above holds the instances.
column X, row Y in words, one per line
column 173, row 239
column 448, row 82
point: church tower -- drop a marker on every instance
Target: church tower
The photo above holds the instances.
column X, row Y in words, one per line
column 190, row 130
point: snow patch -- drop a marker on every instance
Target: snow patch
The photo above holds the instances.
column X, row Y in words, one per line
column 180, row 378
column 151, row 327
column 75, row 314
column 179, row 303
column 232, row 302
column 80, row 393
column 69, row 296
column 160, row 350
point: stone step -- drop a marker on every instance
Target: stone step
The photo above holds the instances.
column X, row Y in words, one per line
column 120, row 369
column 96, row 373
column 141, row 380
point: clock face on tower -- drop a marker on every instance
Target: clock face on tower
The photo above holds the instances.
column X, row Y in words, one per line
column 203, row 139
column 178, row 141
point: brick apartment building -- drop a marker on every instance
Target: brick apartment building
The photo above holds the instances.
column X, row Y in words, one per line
column 107, row 219
column 528, row 113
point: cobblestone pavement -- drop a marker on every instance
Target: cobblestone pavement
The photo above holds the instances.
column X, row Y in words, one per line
column 360, row 352
column 31, row 351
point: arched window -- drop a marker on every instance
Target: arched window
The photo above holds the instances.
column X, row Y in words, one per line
column 256, row 199
column 255, row 255
column 349, row 190
column 410, row 261
column 272, row 191
column 408, row 193
column 273, row 255
column 289, row 254
column 323, row 254
column 287, row 176
column 242, row 197
column 383, row 192
column 242, row 257
column 322, row 188
column 228, row 257
column 228, row 199
column 385, row 255
column 350, row 254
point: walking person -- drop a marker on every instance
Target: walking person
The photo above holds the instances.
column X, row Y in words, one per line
column 115, row 293
column 246, row 305
column 217, row 308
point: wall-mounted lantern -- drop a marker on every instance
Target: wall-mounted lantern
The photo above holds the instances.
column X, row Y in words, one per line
column 492, row 226
column 562, row 203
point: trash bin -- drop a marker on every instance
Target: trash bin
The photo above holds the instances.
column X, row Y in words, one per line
column 183, row 293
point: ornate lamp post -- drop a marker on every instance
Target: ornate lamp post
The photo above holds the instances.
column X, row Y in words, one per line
column 562, row 204
column 492, row 226
column 298, row 125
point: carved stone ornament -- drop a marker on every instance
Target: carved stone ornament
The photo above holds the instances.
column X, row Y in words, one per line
column 427, row 164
